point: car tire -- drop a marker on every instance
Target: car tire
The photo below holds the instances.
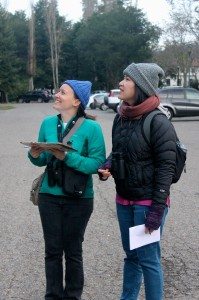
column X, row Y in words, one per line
column 92, row 106
column 116, row 108
column 170, row 113
column 103, row 107
column 39, row 100
column 106, row 100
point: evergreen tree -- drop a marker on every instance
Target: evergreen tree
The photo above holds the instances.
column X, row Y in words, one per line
column 43, row 63
column 19, row 24
column 108, row 42
column 9, row 63
column 69, row 60
column 96, row 49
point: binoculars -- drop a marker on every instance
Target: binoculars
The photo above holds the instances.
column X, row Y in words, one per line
column 55, row 173
column 118, row 166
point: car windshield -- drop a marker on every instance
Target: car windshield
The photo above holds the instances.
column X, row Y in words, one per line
column 99, row 96
column 115, row 93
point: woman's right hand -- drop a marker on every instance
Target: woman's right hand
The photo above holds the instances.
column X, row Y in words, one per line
column 35, row 151
column 104, row 174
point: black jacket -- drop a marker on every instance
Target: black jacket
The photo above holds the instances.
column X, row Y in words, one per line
column 149, row 168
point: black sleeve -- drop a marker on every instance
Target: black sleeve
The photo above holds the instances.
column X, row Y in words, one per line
column 163, row 141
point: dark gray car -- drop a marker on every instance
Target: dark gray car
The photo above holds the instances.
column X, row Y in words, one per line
column 36, row 95
column 180, row 102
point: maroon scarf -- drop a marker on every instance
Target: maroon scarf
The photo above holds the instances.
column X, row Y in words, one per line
column 136, row 112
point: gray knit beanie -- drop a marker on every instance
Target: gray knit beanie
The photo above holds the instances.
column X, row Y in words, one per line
column 146, row 76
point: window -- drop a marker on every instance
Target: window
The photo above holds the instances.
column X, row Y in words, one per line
column 162, row 94
column 192, row 95
column 115, row 94
column 176, row 94
column 179, row 82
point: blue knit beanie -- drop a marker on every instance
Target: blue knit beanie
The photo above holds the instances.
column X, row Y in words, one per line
column 82, row 89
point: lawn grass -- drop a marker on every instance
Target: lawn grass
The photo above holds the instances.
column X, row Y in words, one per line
column 6, row 106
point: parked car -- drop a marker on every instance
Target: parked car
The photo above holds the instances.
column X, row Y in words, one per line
column 112, row 100
column 97, row 101
column 98, row 92
column 180, row 101
column 36, row 95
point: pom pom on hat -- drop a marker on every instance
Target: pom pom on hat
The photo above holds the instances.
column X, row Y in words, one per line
column 82, row 89
column 146, row 76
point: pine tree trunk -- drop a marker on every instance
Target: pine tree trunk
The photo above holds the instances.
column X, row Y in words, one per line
column 31, row 54
column 53, row 39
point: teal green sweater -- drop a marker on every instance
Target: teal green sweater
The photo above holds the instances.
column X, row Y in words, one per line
column 87, row 140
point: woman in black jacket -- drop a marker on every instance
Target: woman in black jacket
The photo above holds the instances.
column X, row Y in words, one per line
column 143, row 173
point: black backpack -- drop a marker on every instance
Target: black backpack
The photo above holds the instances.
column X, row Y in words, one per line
column 181, row 150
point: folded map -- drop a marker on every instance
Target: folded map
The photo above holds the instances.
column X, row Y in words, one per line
column 49, row 146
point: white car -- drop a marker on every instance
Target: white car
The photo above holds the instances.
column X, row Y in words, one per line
column 112, row 100
column 97, row 101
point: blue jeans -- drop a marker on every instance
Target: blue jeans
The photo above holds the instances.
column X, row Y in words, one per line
column 64, row 222
column 144, row 261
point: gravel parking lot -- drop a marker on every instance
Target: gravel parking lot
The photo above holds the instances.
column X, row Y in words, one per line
column 21, row 244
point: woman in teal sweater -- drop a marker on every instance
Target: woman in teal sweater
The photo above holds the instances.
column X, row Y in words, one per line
column 64, row 217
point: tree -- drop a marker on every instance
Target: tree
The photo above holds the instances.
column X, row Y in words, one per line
column 176, row 58
column 189, row 11
column 54, row 38
column 19, row 26
column 180, row 37
column 31, row 53
column 43, row 70
column 108, row 42
column 9, row 63
column 109, row 4
column 89, row 7
column 69, row 58
column 50, row 30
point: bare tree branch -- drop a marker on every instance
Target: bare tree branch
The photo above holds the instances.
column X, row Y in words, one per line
column 55, row 38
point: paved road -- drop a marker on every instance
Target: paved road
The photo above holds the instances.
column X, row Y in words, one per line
column 21, row 243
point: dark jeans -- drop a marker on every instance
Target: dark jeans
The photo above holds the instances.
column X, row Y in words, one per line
column 64, row 221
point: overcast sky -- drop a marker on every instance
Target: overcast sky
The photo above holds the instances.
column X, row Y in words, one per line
column 157, row 11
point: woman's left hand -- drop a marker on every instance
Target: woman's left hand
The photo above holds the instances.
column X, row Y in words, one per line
column 59, row 154
column 154, row 217
column 104, row 174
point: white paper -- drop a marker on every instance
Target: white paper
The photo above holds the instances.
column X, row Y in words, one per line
column 138, row 238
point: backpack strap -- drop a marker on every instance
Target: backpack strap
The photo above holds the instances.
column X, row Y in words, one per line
column 147, row 124
column 76, row 125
